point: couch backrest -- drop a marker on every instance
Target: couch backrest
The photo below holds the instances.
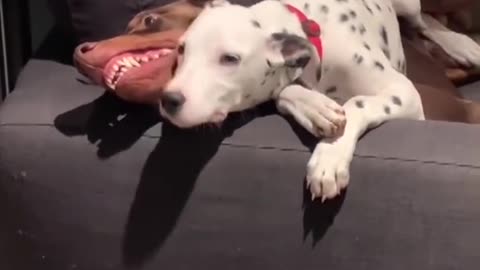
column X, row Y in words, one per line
column 92, row 20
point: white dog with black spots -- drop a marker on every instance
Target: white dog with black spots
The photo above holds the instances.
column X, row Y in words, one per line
column 234, row 57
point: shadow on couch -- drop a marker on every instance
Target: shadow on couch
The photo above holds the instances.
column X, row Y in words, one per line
column 169, row 174
column 114, row 125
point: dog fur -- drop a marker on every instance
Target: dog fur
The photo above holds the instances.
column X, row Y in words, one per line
column 262, row 53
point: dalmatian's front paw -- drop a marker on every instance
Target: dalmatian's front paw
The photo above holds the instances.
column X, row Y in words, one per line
column 320, row 115
column 327, row 117
column 328, row 170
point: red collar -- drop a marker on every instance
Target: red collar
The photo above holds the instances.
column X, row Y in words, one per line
column 310, row 27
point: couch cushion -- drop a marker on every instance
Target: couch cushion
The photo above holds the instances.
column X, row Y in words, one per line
column 52, row 94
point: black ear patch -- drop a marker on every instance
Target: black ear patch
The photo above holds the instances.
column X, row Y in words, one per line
column 296, row 50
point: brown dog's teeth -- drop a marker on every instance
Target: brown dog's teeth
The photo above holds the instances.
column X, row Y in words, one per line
column 127, row 63
column 120, row 63
column 133, row 62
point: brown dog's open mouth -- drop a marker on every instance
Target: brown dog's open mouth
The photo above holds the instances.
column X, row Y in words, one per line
column 132, row 64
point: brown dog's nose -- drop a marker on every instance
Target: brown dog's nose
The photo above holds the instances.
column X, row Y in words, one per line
column 86, row 47
column 172, row 101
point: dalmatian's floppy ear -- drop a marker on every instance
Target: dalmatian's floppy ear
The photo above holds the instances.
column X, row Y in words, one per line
column 216, row 3
column 289, row 50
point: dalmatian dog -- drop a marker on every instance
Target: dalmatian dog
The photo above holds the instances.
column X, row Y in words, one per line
column 335, row 66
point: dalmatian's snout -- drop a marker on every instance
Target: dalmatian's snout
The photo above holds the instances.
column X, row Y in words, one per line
column 172, row 101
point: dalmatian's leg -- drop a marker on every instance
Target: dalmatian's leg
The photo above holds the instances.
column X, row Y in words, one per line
column 328, row 167
column 316, row 112
column 459, row 46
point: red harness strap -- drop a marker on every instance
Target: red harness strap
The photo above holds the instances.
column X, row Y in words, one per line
column 310, row 27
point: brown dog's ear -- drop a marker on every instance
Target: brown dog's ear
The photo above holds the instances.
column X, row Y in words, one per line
column 294, row 51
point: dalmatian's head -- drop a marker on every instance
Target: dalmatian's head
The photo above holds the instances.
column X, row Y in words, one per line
column 228, row 61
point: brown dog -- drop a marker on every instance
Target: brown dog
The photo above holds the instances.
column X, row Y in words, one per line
column 158, row 29
column 138, row 64
column 457, row 16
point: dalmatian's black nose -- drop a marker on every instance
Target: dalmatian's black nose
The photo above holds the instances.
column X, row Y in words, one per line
column 172, row 101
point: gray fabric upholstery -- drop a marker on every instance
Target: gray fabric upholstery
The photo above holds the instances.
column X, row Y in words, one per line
column 79, row 190
column 58, row 89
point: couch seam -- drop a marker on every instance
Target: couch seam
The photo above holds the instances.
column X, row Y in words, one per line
column 360, row 156
column 287, row 149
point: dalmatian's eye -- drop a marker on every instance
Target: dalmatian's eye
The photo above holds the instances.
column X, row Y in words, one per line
column 149, row 20
column 229, row 59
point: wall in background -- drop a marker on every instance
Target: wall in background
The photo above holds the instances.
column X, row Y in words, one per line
column 41, row 21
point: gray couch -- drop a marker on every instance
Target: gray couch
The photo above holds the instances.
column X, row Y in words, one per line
column 90, row 182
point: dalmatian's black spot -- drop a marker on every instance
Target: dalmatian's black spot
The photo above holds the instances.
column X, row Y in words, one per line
column 399, row 64
column 390, row 9
column 342, row 1
column 324, row 9
column 362, row 29
column 331, row 90
column 269, row 64
column 343, row 17
column 306, row 8
column 396, row 100
column 358, row 58
column 386, row 52
column 353, row 14
column 264, row 81
column 284, row 30
column 366, row 46
column 270, row 73
column 353, row 28
column 379, row 8
column 359, row 104
column 181, row 49
column 367, row 7
column 387, row 109
column 318, row 73
column 256, row 24
column 384, row 35
column 379, row 65
column 247, row 96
